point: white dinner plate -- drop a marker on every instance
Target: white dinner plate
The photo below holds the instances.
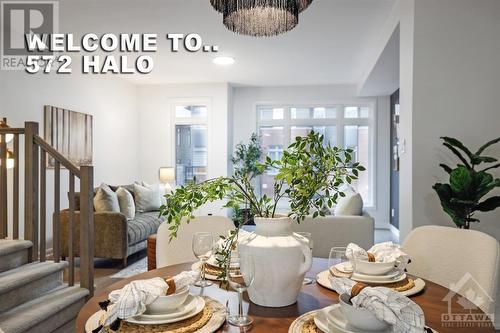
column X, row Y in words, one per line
column 297, row 324
column 320, row 319
column 339, row 322
column 200, row 304
column 188, row 306
column 391, row 277
column 323, row 279
column 382, row 280
column 344, row 267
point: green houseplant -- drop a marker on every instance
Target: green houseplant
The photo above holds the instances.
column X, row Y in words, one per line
column 469, row 183
column 309, row 176
column 245, row 162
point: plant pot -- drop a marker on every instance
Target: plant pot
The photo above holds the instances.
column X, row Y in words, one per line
column 280, row 260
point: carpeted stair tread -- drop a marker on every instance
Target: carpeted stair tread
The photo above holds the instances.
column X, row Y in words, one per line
column 25, row 274
column 28, row 315
column 8, row 246
column 13, row 253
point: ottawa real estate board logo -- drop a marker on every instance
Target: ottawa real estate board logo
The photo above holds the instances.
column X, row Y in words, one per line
column 20, row 19
column 474, row 307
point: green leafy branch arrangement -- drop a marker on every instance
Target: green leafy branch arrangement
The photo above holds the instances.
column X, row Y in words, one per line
column 245, row 162
column 309, row 175
column 246, row 157
column 461, row 198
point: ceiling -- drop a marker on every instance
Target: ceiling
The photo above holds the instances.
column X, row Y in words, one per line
column 331, row 44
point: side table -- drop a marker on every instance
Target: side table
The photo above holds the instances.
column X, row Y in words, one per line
column 152, row 252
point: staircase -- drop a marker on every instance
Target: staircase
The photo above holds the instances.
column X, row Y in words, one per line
column 34, row 297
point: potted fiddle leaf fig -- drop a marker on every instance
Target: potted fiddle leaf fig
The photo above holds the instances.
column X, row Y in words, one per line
column 245, row 162
column 469, row 183
column 309, row 175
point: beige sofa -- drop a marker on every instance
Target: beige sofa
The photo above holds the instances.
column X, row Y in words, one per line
column 331, row 231
column 115, row 237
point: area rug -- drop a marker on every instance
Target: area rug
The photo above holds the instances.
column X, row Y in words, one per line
column 138, row 267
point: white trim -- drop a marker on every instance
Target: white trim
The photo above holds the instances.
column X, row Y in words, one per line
column 394, row 230
column 207, row 121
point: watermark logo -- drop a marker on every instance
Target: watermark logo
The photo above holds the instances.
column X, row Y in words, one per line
column 19, row 19
column 472, row 298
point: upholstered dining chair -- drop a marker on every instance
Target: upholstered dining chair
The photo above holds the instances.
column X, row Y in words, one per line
column 179, row 249
column 456, row 258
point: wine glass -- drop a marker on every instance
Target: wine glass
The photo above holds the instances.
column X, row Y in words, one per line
column 308, row 237
column 203, row 244
column 240, row 273
column 338, row 261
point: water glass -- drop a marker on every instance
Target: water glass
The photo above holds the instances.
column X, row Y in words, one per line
column 308, row 237
column 203, row 244
column 240, row 273
column 337, row 256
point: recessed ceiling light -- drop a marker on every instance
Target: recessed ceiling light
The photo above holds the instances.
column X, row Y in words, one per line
column 224, row 61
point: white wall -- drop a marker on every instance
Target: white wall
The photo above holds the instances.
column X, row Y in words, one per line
column 449, row 77
column 113, row 104
column 156, row 141
column 455, row 93
column 456, row 84
column 245, row 101
column 399, row 24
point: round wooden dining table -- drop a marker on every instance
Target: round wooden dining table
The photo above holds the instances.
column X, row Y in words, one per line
column 443, row 314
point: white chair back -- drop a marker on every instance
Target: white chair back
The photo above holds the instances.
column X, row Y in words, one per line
column 337, row 231
column 456, row 259
column 179, row 249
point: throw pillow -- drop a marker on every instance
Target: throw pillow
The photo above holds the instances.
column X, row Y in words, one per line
column 147, row 199
column 351, row 204
column 164, row 189
column 105, row 200
column 126, row 201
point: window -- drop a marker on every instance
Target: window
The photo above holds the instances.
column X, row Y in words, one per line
column 348, row 126
column 191, row 148
column 190, row 111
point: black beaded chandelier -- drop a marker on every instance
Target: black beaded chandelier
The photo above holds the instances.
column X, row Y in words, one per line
column 260, row 17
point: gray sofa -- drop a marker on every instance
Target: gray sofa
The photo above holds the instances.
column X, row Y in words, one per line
column 115, row 236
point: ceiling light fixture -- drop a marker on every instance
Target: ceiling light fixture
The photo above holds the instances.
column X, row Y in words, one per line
column 260, row 17
column 224, row 61
column 219, row 4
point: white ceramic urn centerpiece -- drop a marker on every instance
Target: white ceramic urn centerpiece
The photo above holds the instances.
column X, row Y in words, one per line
column 281, row 260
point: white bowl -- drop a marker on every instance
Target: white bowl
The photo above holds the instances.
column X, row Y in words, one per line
column 165, row 304
column 374, row 268
column 360, row 318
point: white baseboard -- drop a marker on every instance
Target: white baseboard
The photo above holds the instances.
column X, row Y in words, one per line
column 394, row 230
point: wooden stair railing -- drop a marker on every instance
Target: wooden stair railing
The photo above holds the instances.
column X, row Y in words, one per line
column 37, row 151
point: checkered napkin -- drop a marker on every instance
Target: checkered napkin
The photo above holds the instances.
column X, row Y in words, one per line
column 387, row 305
column 132, row 299
column 383, row 252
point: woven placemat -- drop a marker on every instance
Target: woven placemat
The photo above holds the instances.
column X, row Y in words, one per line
column 213, row 270
column 400, row 286
column 310, row 327
column 403, row 285
column 207, row 321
